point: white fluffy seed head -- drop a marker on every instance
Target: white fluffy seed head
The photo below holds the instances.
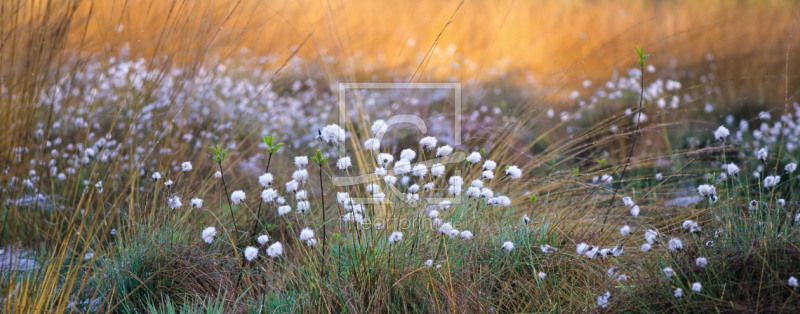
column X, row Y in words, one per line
column 306, row 234
column 428, row 142
column 265, row 180
column 721, row 133
column 444, row 151
column 250, row 253
column 474, row 157
column 301, row 161
column 675, row 244
column 344, row 163
column 513, row 172
column 263, row 239
column 275, row 250
column 237, row 196
column 209, row 234
column 396, row 236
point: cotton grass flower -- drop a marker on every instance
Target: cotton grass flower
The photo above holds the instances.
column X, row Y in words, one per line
column 300, row 175
column 372, row 144
column 675, row 244
column 646, row 247
column 668, row 272
column 793, row 282
column 385, row 159
column 706, row 190
column 701, row 262
column 332, row 134
column 448, row 230
column 466, row 234
column 487, row 175
column 541, row 275
column 379, row 127
column 508, row 245
column 732, row 169
column 186, row 166
column 790, row 168
column 582, row 248
column 546, row 248
column 283, row 210
column 677, row 293
column 237, row 196
column 628, row 201
column 292, row 186
column 437, row 170
column 420, row 170
column 265, row 180
column 639, row 117
column 428, row 142
column 489, row 165
column 761, row 154
column 721, row 133
column 263, row 239
column 402, row 167
column 155, row 176
column 344, row 163
column 691, row 226
column 168, row 183
column 474, row 157
column 208, row 234
column 275, row 250
column 303, row 207
column 301, row 161
column 771, row 181
column 603, row 300
column 396, row 236
column 306, row 235
column 250, row 253
column 269, row 195
column 217, row 175
column 408, row 155
column 513, row 172
column 696, row 287
column 634, row 211
column 444, row 151
column 174, row 202
column 625, row 230
column 486, row 193
column 196, row 203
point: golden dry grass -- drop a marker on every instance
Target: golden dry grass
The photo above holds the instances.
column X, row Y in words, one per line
column 553, row 41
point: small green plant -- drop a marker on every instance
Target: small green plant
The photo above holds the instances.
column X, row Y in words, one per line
column 219, row 153
column 271, row 148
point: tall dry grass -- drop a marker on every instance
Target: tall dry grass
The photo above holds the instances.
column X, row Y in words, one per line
column 557, row 45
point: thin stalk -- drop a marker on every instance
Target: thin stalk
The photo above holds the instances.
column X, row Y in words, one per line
column 630, row 152
column 230, row 203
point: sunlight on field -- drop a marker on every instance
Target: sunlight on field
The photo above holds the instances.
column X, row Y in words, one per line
column 554, row 43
